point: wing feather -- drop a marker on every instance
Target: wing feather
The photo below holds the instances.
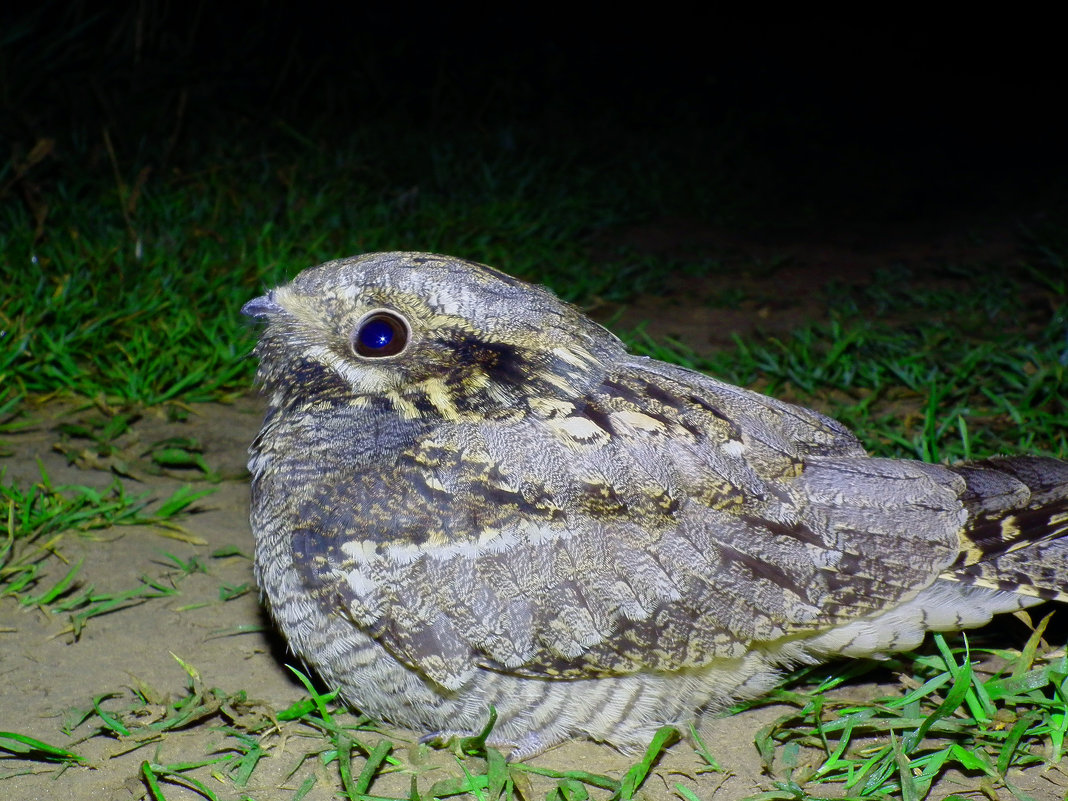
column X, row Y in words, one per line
column 665, row 521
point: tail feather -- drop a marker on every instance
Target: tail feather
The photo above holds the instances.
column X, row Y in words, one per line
column 1039, row 572
column 1018, row 515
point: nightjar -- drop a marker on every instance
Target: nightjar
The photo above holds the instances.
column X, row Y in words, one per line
column 467, row 494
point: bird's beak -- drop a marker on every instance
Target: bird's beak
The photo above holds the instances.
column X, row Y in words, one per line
column 263, row 306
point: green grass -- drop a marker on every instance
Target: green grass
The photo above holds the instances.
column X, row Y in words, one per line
column 938, row 375
column 134, row 293
column 326, row 733
column 982, row 722
column 955, row 716
column 38, row 517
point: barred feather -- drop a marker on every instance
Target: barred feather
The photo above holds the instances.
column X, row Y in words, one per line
column 505, row 509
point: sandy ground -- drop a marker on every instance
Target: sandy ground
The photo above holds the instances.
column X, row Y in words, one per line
column 45, row 672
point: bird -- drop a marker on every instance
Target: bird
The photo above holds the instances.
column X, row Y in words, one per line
column 469, row 499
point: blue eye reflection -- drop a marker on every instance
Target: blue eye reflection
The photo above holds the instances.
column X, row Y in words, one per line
column 376, row 334
column 381, row 334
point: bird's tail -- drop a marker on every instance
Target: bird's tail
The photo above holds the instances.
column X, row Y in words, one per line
column 1015, row 538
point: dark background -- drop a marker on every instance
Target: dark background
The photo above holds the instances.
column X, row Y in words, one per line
column 822, row 121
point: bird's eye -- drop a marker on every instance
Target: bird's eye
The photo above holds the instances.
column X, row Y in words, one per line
column 380, row 333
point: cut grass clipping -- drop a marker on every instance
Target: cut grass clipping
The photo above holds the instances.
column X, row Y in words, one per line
column 37, row 518
column 315, row 729
column 955, row 716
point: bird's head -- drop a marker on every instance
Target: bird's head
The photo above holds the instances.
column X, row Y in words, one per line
column 427, row 335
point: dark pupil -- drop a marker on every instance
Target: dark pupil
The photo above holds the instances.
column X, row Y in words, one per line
column 381, row 335
column 376, row 334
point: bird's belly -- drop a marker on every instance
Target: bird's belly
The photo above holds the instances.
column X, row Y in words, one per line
column 533, row 714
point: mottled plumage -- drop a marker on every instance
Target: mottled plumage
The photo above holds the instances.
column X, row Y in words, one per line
column 467, row 494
